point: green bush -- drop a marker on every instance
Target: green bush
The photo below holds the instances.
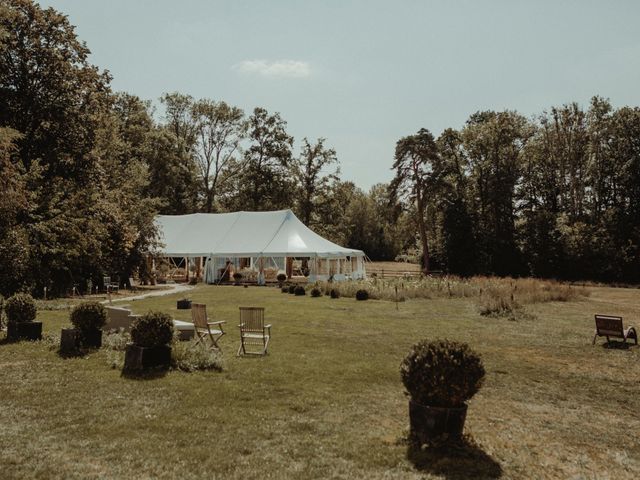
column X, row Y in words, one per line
column 442, row 373
column 188, row 357
column 237, row 276
column 292, row 289
column 1, row 309
column 281, row 278
column 20, row 308
column 299, row 291
column 316, row 292
column 88, row 316
column 362, row 295
column 152, row 329
column 334, row 293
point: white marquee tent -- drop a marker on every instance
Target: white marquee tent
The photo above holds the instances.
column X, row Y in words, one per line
column 259, row 242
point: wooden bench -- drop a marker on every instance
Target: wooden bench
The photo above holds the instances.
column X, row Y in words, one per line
column 611, row 326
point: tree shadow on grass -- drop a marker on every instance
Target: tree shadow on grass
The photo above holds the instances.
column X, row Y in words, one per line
column 460, row 460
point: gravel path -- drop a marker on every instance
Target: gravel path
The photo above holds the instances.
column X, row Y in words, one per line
column 177, row 288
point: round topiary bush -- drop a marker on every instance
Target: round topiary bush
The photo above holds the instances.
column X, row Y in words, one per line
column 299, row 291
column 284, row 289
column 292, row 289
column 152, row 330
column 20, row 308
column 88, row 316
column 442, row 373
column 362, row 295
column 281, row 278
column 334, row 293
column 316, row 292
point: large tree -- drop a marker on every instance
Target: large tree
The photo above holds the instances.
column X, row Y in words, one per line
column 418, row 172
column 220, row 128
column 314, row 176
column 265, row 183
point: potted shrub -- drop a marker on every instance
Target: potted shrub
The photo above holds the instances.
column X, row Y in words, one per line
column 284, row 289
column 299, row 291
column 237, row 277
column 88, row 318
column 362, row 295
column 292, row 289
column 334, row 293
column 151, row 336
column 21, row 313
column 316, row 292
column 281, row 279
column 440, row 377
column 183, row 304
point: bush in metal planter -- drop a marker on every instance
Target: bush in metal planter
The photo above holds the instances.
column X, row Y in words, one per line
column 440, row 377
column 152, row 330
column 89, row 318
column 20, row 310
column 151, row 335
column 281, row 279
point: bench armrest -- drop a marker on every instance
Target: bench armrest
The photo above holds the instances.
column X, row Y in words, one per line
column 220, row 322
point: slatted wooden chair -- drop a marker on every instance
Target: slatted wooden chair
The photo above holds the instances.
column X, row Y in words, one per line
column 610, row 326
column 254, row 334
column 203, row 330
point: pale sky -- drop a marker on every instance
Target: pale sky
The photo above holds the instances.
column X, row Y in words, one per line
column 365, row 73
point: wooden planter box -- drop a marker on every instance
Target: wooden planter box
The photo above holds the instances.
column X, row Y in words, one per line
column 139, row 359
column 430, row 424
column 184, row 304
column 24, row 331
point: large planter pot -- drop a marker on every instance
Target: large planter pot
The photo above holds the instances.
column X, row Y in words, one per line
column 138, row 359
column 69, row 341
column 24, row 331
column 184, row 304
column 429, row 424
column 91, row 338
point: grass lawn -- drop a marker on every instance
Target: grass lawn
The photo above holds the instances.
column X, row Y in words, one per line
column 328, row 402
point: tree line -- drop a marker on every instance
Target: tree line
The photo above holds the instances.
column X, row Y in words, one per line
column 84, row 170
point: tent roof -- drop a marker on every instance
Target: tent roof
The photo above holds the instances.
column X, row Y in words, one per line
column 241, row 234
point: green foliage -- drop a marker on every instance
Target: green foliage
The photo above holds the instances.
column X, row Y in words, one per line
column 20, row 307
column 88, row 316
column 334, row 293
column 442, row 373
column 292, row 289
column 362, row 295
column 299, row 290
column 281, row 278
column 152, row 329
column 189, row 357
column 316, row 292
column 284, row 289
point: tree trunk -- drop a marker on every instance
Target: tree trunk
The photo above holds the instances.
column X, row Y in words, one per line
column 422, row 228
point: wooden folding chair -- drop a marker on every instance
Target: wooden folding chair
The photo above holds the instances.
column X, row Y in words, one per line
column 202, row 326
column 611, row 326
column 253, row 332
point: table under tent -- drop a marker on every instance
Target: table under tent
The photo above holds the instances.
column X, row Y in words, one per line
column 256, row 245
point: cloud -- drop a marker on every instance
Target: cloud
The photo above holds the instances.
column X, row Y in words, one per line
column 278, row 68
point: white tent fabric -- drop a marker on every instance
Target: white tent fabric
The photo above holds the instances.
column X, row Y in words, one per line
column 244, row 234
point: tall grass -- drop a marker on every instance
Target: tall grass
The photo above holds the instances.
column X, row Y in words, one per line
column 492, row 294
